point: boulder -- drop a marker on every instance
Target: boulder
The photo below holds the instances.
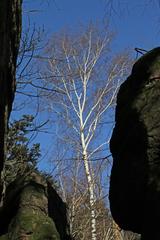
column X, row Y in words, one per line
column 32, row 210
column 135, row 146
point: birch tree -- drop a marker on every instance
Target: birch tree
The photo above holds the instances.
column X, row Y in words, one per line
column 86, row 80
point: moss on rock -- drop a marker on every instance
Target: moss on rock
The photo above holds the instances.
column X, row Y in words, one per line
column 34, row 225
column 32, row 210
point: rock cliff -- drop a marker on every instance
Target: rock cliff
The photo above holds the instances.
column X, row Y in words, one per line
column 135, row 147
column 10, row 33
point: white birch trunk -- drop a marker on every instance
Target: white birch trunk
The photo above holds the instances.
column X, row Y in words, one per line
column 91, row 196
column 90, row 183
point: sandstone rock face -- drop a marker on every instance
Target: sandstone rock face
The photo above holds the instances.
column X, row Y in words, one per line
column 135, row 147
column 32, row 210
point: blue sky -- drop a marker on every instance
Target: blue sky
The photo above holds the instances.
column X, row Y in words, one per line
column 135, row 23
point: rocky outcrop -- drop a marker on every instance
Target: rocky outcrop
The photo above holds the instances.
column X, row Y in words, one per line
column 10, row 31
column 32, row 210
column 135, row 147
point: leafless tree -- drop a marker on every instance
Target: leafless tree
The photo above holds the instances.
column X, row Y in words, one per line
column 73, row 189
column 85, row 79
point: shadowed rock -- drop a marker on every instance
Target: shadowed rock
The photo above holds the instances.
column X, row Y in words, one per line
column 135, row 147
column 32, row 210
column 10, row 33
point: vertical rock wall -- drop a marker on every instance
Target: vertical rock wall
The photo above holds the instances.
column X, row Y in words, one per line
column 135, row 146
column 10, row 31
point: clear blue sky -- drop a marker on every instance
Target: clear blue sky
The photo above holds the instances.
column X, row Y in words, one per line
column 135, row 23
